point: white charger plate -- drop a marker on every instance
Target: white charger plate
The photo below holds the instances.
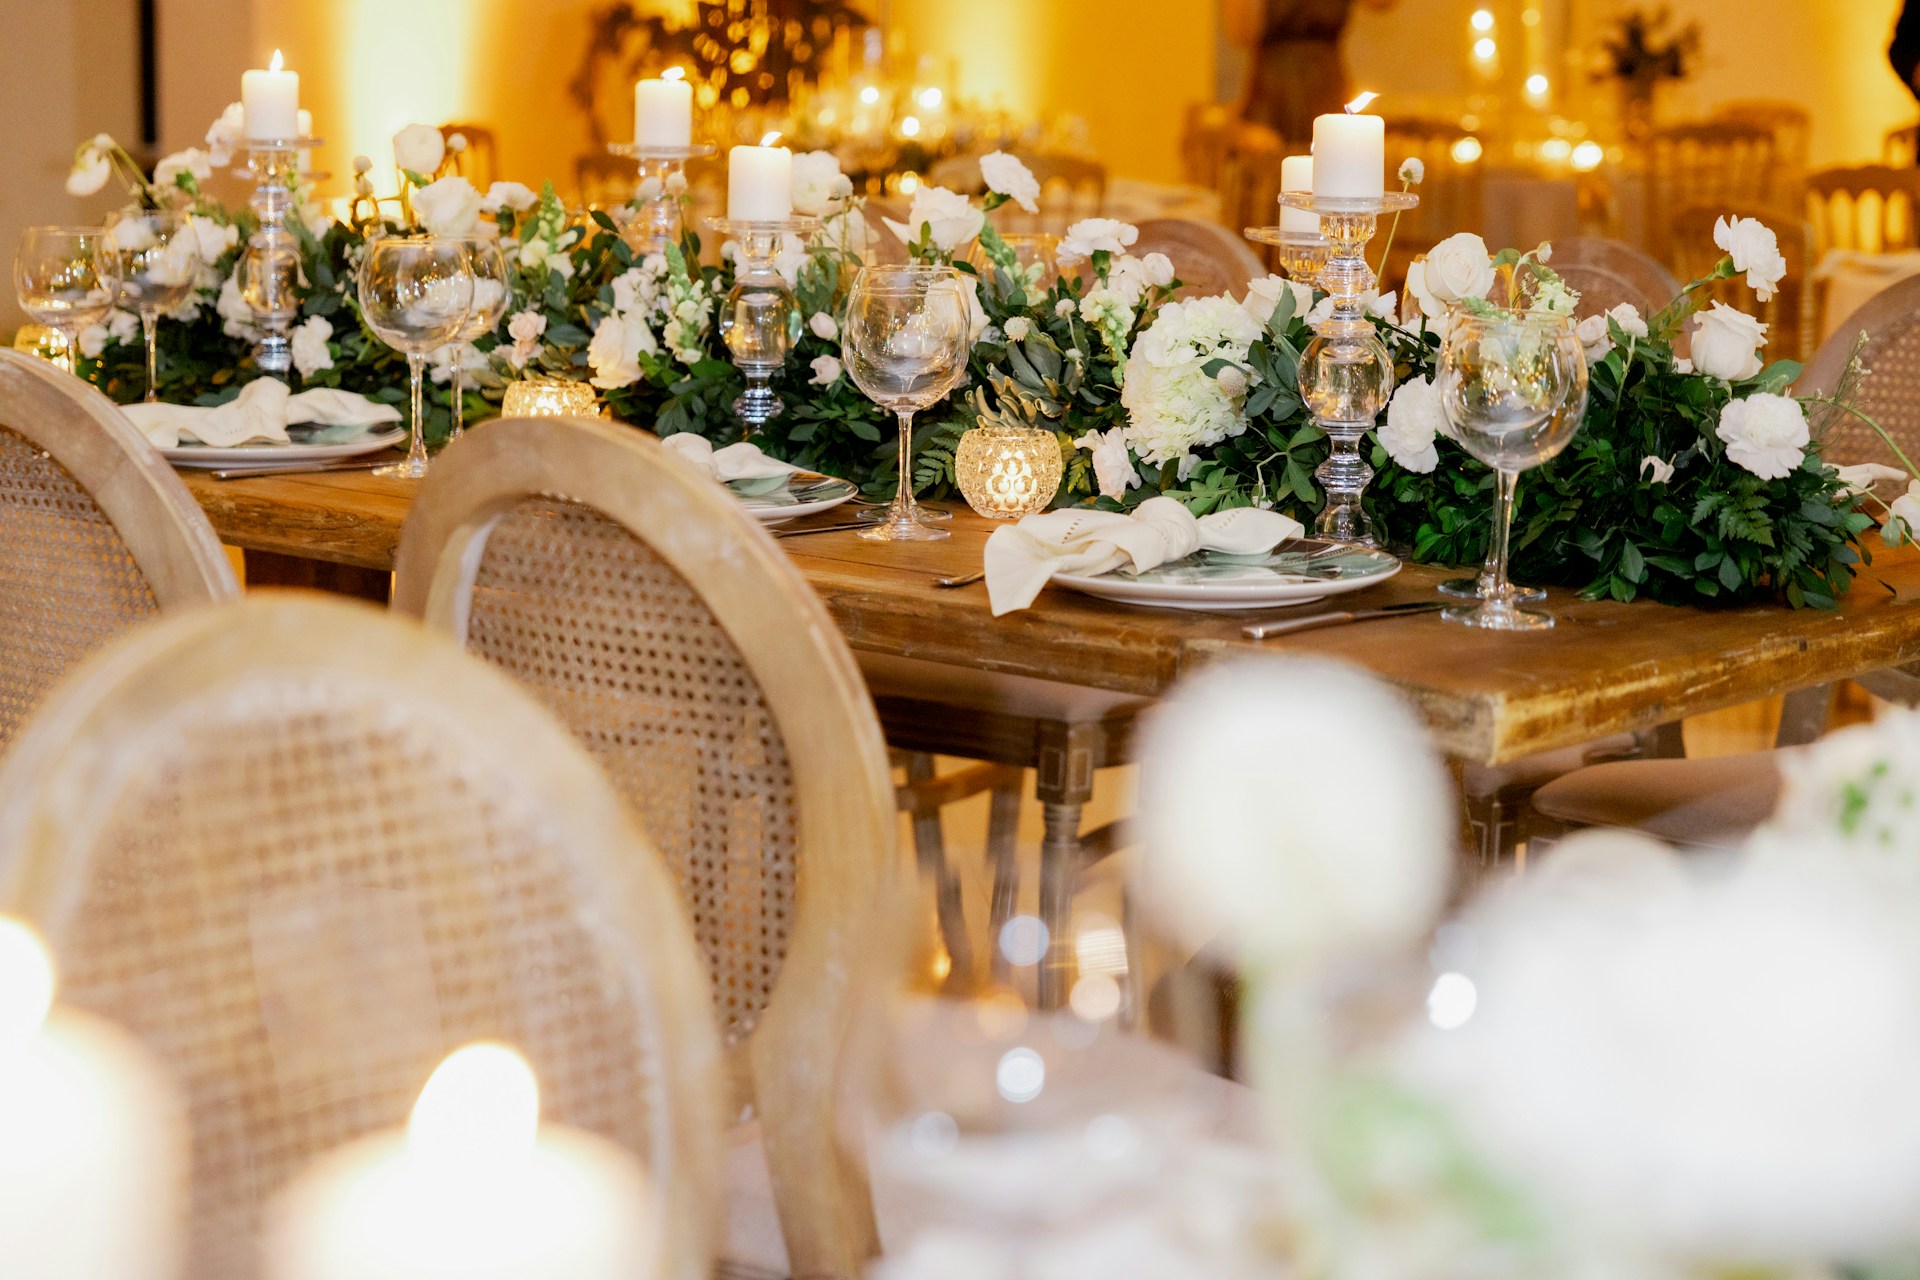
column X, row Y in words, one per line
column 266, row 454
column 1298, row 573
column 816, row 493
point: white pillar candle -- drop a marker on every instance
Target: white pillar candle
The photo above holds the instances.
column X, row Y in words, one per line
column 271, row 100
column 663, row 113
column 474, row 1188
column 1296, row 175
column 760, row 182
column 92, row 1142
column 1350, row 155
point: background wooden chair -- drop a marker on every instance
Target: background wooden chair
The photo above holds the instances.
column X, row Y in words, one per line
column 1607, row 273
column 1450, row 193
column 1203, row 143
column 1791, row 125
column 1789, row 314
column 480, row 162
column 635, row 598
column 1208, row 258
column 96, row 532
column 1249, row 177
column 1867, row 208
column 304, row 850
column 1720, row 163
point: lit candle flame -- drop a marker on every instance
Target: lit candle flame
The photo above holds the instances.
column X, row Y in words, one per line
column 1361, row 103
column 674, row 73
column 481, row 1105
column 278, row 63
column 770, row 139
column 26, row 982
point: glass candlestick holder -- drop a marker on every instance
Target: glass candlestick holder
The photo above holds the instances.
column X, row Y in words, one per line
column 1346, row 373
column 1301, row 253
column 656, row 223
column 759, row 321
column 269, row 267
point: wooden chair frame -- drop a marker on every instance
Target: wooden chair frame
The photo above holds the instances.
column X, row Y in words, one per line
column 1230, row 264
column 813, row 689
column 75, row 756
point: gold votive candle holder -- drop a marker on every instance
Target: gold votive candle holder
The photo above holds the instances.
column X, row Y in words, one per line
column 549, row 398
column 1007, row 472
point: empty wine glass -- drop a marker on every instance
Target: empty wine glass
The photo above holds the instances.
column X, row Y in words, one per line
column 66, row 278
column 906, row 339
column 489, row 305
column 1513, row 385
column 415, row 292
column 158, row 261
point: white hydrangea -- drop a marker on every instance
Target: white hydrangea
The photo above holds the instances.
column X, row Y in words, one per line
column 1174, row 405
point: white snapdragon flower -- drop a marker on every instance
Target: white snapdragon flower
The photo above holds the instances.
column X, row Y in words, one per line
column 419, row 148
column 1173, row 405
column 1727, row 343
column 1018, row 327
column 1112, row 469
column 1106, row 309
column 615, row 350
column 310, row 351
column 1755, row 250
column 1008, row 176
column 949, row 218
column 449, row 208
column 1660, row 468
column 823, row 326
column 816, row 182
column 508, row 195
column 1095, row 235
column 826, row 371
column 1414, row 420
column 1764, row 433
column 192, row 161
column 226, row 133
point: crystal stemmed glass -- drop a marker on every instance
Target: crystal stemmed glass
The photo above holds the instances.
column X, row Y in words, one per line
column 67, row 278
column 1513, row 385
column 158, row 260
column 415, row 292
column 906, row 339
column 489, row 305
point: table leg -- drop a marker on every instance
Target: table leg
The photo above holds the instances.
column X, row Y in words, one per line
column 271, row 569
column 1059, row 869
column 1003, row 831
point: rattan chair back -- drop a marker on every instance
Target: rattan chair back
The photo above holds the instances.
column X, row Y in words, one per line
column 304, row 849
column 1607, row 273
column 1889, row 394
column 639, row 601
column 96, row 532
column 1208, row 258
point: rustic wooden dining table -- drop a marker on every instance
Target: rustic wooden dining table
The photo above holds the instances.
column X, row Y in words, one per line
column 1489, row 698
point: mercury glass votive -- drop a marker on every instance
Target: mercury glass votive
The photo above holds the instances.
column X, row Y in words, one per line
column 548, row 398
column 1007, row 472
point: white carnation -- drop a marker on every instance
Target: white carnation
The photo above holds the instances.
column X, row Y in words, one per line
column 1095, row 235
column 1414, row 420
column 1008, row 176
column 310, row 351
column 1755, row 250
column 1112, row 468
column 508, row 195
column 1764, row 433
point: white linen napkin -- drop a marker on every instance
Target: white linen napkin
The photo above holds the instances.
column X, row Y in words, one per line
column 262, row 411
column 1022, row 558
column 742, row 461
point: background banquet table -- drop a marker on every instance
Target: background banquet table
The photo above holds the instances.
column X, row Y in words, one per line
column 1488, row 698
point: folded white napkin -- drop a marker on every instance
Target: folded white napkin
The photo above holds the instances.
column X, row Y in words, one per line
column 742, row 461
column 1022, row 558
column 262, row 411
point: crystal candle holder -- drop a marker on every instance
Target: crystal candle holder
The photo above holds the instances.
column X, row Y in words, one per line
column 760, row 320
column 269, row 267
column 1346, row 373
column 548, row 398
column 1006, row 472
column 656, row 224
column 1302, row 253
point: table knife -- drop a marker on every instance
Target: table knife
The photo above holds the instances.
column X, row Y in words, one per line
column 299, row 469
column 1261, row 630
column 821, row 528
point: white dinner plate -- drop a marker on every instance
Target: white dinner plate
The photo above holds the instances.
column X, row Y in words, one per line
column 265, row 454
column 1298, row 573
column 806, row 493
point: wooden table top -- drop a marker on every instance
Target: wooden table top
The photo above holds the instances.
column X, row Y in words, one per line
column 1490, row 697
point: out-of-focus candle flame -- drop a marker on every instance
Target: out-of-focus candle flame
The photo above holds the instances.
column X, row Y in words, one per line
column 480, row 1106
column 770, row 139
column 1361, row 103
column 26, row 982
column 674, row 73
column 278, row 63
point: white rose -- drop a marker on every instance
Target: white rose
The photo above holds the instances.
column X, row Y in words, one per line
column 419, row 148
column 1321, row 313
column 210, row 238
column 1459, row 267
column 1766, row 434
column 816, row 180
column 508, row 195
column 449, row 208
column 1018, row 328
column 1755, row 250
column 1159, row 269
column 1627, row 316
column 226, row 133
column 236, row 316
column 826, row 371
column 310, row 352
column 1112, row 469
column 1414, row 419
column 1905, row 517
column 615, row 349
column 949, row 218
column 1006, row 175
column 526, row 326
column 91, row 169
column 1095, row 235
column 1662, row 469
column 1726, row 343
column 823, row 326
column 1594, row 338
column 1263, row 297
column 1424, row 309
column 191, row 161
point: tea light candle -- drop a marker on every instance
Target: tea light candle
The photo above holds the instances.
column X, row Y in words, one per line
column 92, row 1144
column 548, row 398
column 1296, row 175
column 1350, row 153
column 475, row 1187
column 760, row 182
column 1008, row 472
column 271, row 101
column 663, row 113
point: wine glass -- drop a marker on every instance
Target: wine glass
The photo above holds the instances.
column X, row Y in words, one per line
column 67, row 278
column 158, row 261
column 415, row 292
column 489, row 305
column 1513, row 385
column 906, row 339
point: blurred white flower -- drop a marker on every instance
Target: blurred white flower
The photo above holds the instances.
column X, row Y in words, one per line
column 1755, row 250
column 1018, row 327
column 236, row 316
column 526, row 329
column 1661, row 469
column 1764, row 433
column 1095, row 235
column 91, row 168
column 449, row 208
column 470, row 358
column 816, row 181
column 310, row 351
column 191, row 161
column 227, row 132
column 1112, row 468
column 122, row 327
column 419, row 148
column 362, row 164
column 826, row 371
column 1905, row 520
column 508, row 195
column 823, row 326
column 950, row 219
column 618, row 341
column 1413, row 171
column 210, row 238
column 1727, row 343
column 1414, row 419
column 1011, row 178
column 1064, row 308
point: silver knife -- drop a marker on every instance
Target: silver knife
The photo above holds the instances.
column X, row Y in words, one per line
column 1261, row 630
column 299, row 469
column 821, row 528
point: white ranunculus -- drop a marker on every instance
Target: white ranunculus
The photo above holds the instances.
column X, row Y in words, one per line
column 1414, row 421
column 1158, row 268
column 192, row 161
column 614, row 352
column 1263, row 298
column 1301, row 863
column 419, row 148
column 1766, row 434
column 227, row 132
column 91, row 169
column 1904, row 521
column 1727, row 343
column 449, row 208
column 1095, row 235
column 1459, row 267
column 826, row 371
column 949, row 218
column 508, row 195
column 310, row 351
column 1661, row 469
column 1011, row 178
column 816, row 182
column 1755, row 250
column 823, row 326
column 210, row 238
column 1112, row 469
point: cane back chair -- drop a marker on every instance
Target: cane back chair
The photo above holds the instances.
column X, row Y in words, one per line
column 638, row 600
column 1606, row 273
column 304, row 850
column 96, row 532
column 1208, row 258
